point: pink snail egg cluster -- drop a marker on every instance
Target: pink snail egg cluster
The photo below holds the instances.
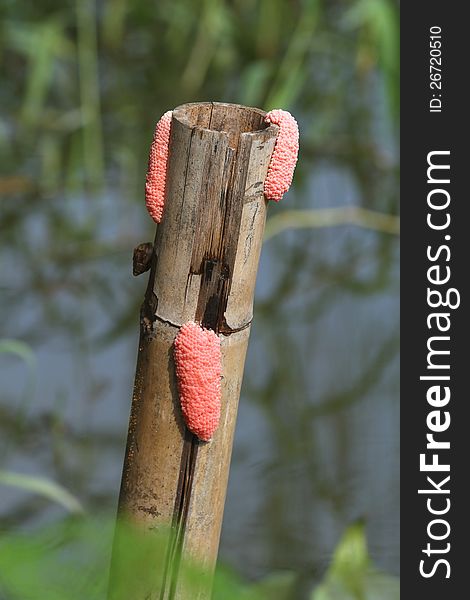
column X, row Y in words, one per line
column 284, row 156
column 155, row 181
column 280, row 171
column 198, row 371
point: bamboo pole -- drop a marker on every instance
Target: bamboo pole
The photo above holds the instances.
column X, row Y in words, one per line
column 203, row 268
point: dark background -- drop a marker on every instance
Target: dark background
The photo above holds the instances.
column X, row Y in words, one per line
column 83, row 85
column 424, row 132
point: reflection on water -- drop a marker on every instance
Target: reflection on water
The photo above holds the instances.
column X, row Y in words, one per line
column 316, row 444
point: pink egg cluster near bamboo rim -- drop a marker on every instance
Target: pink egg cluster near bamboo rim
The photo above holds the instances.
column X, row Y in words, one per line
column 198, row 371
column 155, row 182
column 280, row 171
column 284, row 157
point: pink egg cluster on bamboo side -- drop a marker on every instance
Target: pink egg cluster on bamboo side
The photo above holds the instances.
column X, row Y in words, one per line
column 157, row 166
column 198, row 371
column 284, row 156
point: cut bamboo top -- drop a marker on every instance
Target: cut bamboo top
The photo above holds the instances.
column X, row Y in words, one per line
column 208, row 247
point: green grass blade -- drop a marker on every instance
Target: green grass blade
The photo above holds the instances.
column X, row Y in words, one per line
column 44, row 487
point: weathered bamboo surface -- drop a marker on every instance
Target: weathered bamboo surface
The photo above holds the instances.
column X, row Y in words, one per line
column 203, row 268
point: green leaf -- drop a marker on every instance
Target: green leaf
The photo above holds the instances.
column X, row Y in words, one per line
column 253, row 82
column 43, row 44
column 24, row 352
column 43, row 487
column 65, row 561
column 352, row 576
column 379, row 18
column 19, row 349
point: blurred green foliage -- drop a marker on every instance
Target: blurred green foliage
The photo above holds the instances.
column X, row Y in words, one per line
column 352, row 576
column 88, row 80
column 70, row 561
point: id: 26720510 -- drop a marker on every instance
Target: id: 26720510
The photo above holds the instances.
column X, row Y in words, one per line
column 435, row 69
